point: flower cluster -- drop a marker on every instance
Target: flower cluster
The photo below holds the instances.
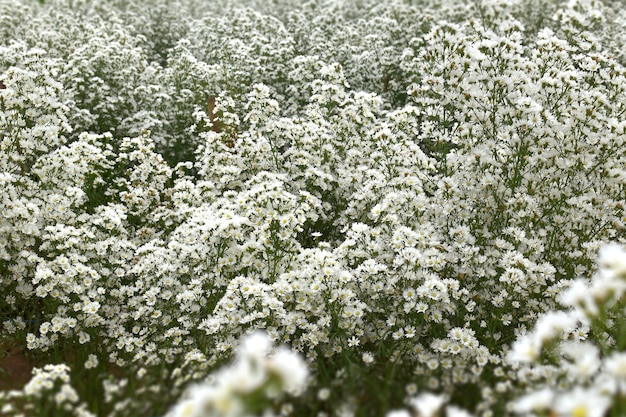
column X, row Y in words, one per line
column 406, row 193
column 256, row 377
column 50, row 389
column 580, row 348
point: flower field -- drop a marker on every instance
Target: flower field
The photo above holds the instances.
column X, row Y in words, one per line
column 350, row 208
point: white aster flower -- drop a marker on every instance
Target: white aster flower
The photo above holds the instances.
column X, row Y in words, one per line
column 534, row 402
column 585, row 357
column 553, row 324
column 579, row 296
column 615, row 365
column 582, row 402
column 398, row 413
column 526, row 349
column 291, row 369
column 612, row 260
column 428, row 404
column 454, row 411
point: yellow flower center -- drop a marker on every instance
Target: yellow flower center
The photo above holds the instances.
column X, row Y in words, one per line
column 187, row 410
column 579, row 411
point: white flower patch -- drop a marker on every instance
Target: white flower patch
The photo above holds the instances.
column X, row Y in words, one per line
column 416, row 197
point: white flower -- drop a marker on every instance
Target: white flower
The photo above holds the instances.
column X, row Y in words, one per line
column 255, row 346
column 582, row 402
column 612, row 260
column 187, row 408
column 534, row 402
column 323, row 394
column 218, row 399
column 353, row 341
column 428, row 404
column 453, row 411
column 553, row 324
column 246, row 375
column 291, row 369
column 585, row 356
column 615, row 365
column 398, row 413
column 92, row 361
column 526, row 349
column 578, row 295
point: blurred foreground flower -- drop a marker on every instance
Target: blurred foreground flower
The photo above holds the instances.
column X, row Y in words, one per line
column 593, row 370
column 258, row 377
column 428, row 404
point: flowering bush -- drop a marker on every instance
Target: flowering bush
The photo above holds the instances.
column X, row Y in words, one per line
column 408, row 194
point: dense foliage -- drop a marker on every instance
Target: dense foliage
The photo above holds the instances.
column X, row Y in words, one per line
column 425, row 199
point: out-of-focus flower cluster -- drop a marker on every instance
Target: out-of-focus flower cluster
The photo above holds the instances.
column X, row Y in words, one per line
column 399, row 191
column 587, row 367
column 248, row 386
